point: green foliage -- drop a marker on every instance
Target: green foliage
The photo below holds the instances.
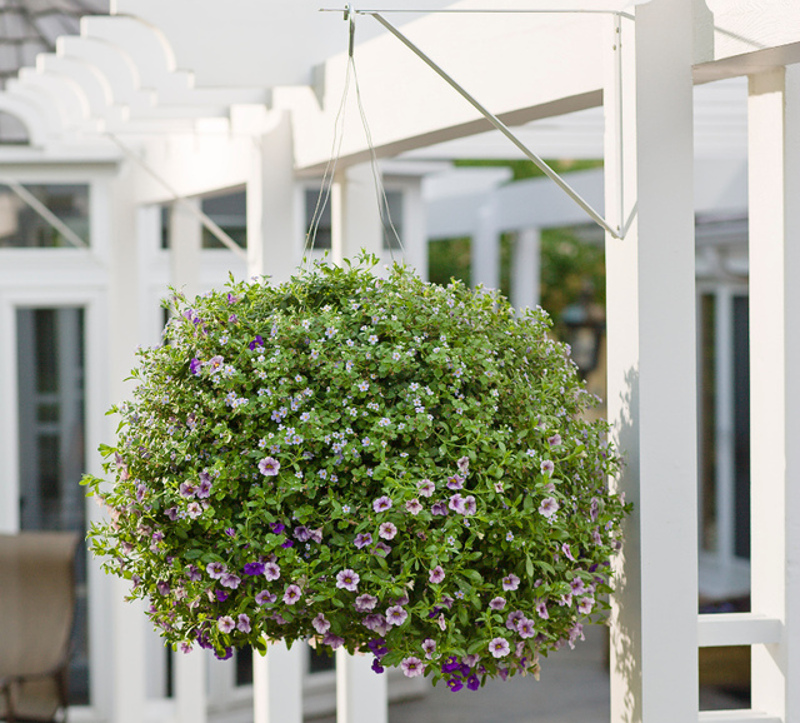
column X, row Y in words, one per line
column 376, row 463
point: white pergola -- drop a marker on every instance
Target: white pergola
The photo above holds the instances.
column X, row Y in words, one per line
column 161, row 103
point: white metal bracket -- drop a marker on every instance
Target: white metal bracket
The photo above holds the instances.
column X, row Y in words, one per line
column 617, row 232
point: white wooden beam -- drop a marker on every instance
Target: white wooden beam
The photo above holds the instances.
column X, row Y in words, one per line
column 355, row 214
column 278, row 684
column 185, row 243
column 774, row 168
column 525, row 268
column 651, row 361
column 723, row 629
column 485, row 247
column 361, row 695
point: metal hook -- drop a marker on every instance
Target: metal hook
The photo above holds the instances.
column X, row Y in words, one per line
column 350, row 16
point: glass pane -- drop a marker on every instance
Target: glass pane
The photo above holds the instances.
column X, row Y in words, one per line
column 50, row 366
column 741, row 424
column 22, row 227
column 393, row 217
column 229, row 212
column 708, row 424
column 322, row 239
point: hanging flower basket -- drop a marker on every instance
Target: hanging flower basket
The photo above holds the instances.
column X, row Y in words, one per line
column 381, row 464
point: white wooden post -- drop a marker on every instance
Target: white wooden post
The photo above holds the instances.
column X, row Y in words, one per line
column 651, row 361
column 128, row 622
column 355, row 214
column 185, row 243
column 485, row 249
column 278, row 684
column 273, row 248
column 361, row 695
column 525, row 268
column 774, row 170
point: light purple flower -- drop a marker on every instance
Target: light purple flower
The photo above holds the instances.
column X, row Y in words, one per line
column 412, row 667
column 226, row 624
column 456, row 504
column 382, row 504
column 193, row 573
column 194, row 510
column 596, row 538
column 292, row 594
column 513, row 619
column 426, row 487
column 439, row 508
column 526, row 628
column 162, row 587
column 414, row 506
column 463, row 465
column 204, row 489
column 436, row 575
column 555, row 440
column 470, row 506
column 269, row 466
column 510, row 582
column 364, row 603
column 302, row 533
column 347, row 580
column 381, row 548
column 187, row 490
column 230, row 580
column 387, row 531
column 396, row 615
column 549, row 507
column 321, row 624
column 567, row 552
column 499, row 647
column 265, row 597
column 215, row 363
column 253, row 568
column 547, row 467
column 243, row 623
column 578, row 586
column 594, row 509
column 333, row 640
column 194, row 366
column 497, row 603
column 585, row 605
column 377, row 623
column 541, row 610
column 429, row 646
column 216, row 570
column 456, row 482
column 575, row 633
column 272, row 570
column 362, row 540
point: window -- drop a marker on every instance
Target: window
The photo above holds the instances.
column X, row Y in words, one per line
column 23, row 227
column 229, row 212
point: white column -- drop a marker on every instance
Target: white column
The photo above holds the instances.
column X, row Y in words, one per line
column 128, row 622
column 185, row 243
column 355, row 214
column 485, row 249
column 414, row 238
column 273, row 242
column 651, row 362
column 774, row 180
column 278, row 684
column 361, row 695
column 526, row 268
column 191, row 698
column 273, row 249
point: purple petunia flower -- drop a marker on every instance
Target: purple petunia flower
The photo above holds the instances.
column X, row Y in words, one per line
column 292, row 594
column 215, row 363
column 382, row 504
column 455, row 684
column 287, row 544
column 376, row 666
column 473, row 682
column 365, row 603
column 376, row 623
column 265, row 597
column 162, row 587
column 226, row 624
column 497, row 603
column 499, row 647
column 221, row 595
column 510, row 582
column 193, row 573
column 414, row 506
column 230, row 580
column 243, row 623
column 269, row 466
column 525, row 628
column 439, row 508
column 216, row 570
column 302, row 533
column 258, row 341
column 567, row 552
column 541, row 610
column 470, row 506
column 396, row 615
column 347, row 580
column 381, row 548
column 194, row 366
column 456, row 482
column 333, row 640
column 272, row 570
column 204, row 489
column 436, row 575
column 362, row 540
column 277, row 527
column 429, row 646
column 463, row 465
column 547, row 466
column 187, row 490
column 321, row 624
column 387, row 531
column 578, row 586
column 585, row 605
column 254, row 568
column 513, row 619
column 549, row 507
column 456, row 504
column 555, row 440
column 426, row 487
column 172, row 513
column 575, row 633
column 412, row 667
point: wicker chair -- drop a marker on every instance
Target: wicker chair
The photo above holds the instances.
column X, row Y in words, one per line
column 37, row 607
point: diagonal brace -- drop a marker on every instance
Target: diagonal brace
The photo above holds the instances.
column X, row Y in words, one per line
column 617, row 233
